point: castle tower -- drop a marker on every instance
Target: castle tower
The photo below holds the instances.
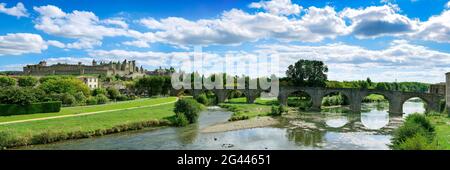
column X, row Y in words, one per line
column 124, row 65
column 94, row 63
column 447, row 92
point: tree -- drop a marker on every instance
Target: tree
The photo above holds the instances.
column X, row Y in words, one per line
column 369, row 81
column 6, row 81
column 64, row 85
column 27, row 81
column 308, row 73
column 17, row 95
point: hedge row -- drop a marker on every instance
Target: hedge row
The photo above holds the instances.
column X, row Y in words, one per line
column 16, row 109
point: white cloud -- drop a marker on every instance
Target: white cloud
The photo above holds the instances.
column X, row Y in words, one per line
column 377, row 21
column 278, row 7
column 18, row 11
column 84, row 26
column 437, row 28
column 56, row 43
column 116, row 21
column 138, row 43
column 21, row 43
column 447, row 5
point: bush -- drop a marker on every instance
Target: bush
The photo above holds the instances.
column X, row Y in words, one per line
column 181, row 120
column 416, row 131
column 122, row 98
column 99, row 91
column 80, row 98
column 189, row 107
column 102, row 99
column 278, row 110
column 202, row 98
column 91, row 101
column 417, row 142
column 6, row 81
column 68, row 99
column 113, row 93
column 27, row 81
column 15, row 109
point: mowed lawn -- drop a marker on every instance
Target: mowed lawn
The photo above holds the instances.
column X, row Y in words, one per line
column 88, row 123
column 93, row 108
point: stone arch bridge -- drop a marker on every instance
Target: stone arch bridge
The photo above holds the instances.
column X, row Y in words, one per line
column 355, row 96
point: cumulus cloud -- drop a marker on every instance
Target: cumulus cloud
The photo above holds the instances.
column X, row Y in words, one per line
column 56, row 44
column 138, row 43
column 21, row 43
column 278, row 7
column 376, row 21
column 18, row 11
column 84, row 26
column 436, row 28
column 447, row 5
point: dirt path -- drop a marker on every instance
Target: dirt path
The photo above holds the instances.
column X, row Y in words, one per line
column 83, row 114
column 241, row 124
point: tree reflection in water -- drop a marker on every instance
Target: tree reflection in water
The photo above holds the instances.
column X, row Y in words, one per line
column 304, row 137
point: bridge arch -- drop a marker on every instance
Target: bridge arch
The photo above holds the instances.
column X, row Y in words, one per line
column 388, row 95
column 300, row 98
column 346, row 94
column 427, row 103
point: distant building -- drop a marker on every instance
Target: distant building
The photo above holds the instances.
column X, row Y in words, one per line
column 125, row 68
column 91, row 81
column 438, row 88
column 161, row 72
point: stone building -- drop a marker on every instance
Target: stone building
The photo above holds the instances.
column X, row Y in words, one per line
column 438, row 88
column 91, row 81
column 125, row 68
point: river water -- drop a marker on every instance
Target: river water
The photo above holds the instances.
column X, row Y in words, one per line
column 330, row 129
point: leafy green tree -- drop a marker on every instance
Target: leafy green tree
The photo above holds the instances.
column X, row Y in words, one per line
column 308, row 73
column 27, row 81
column 17, row 95
column 64, row 85
column 6, row 81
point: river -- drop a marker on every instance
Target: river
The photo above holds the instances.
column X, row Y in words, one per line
column 330, row 129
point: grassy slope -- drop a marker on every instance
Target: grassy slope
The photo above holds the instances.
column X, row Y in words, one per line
column 85, row 109
column 89, row 122
column 442, row 124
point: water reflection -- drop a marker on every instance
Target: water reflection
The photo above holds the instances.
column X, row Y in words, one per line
column 336, row 121
column 375, row 119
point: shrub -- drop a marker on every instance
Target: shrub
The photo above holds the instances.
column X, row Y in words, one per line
column 80, row 98
column 102, row 99
column 202, row 98
column 99, row 91
column 91, row 101
column 181, row 120
column 189, row 107
column 417, row 142
column 68, row 99
column 27, row 81
column 6, row 81
column 121, row 98
column 416, row 131
column 113, row 93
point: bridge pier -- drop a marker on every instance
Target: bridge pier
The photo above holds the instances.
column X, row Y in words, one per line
column 221, row 95
column 282, row 99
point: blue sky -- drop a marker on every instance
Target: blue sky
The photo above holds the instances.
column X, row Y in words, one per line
column 386, row 40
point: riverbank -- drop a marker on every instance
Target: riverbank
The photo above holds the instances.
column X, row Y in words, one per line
column 241, row 124
column 85, row 126
column 442, row 125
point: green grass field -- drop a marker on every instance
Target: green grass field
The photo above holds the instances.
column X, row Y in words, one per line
column 93, row 108
column 44, row 131
column 442, row 124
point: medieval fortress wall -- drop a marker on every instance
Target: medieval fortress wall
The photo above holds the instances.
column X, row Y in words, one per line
column 112, row 68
